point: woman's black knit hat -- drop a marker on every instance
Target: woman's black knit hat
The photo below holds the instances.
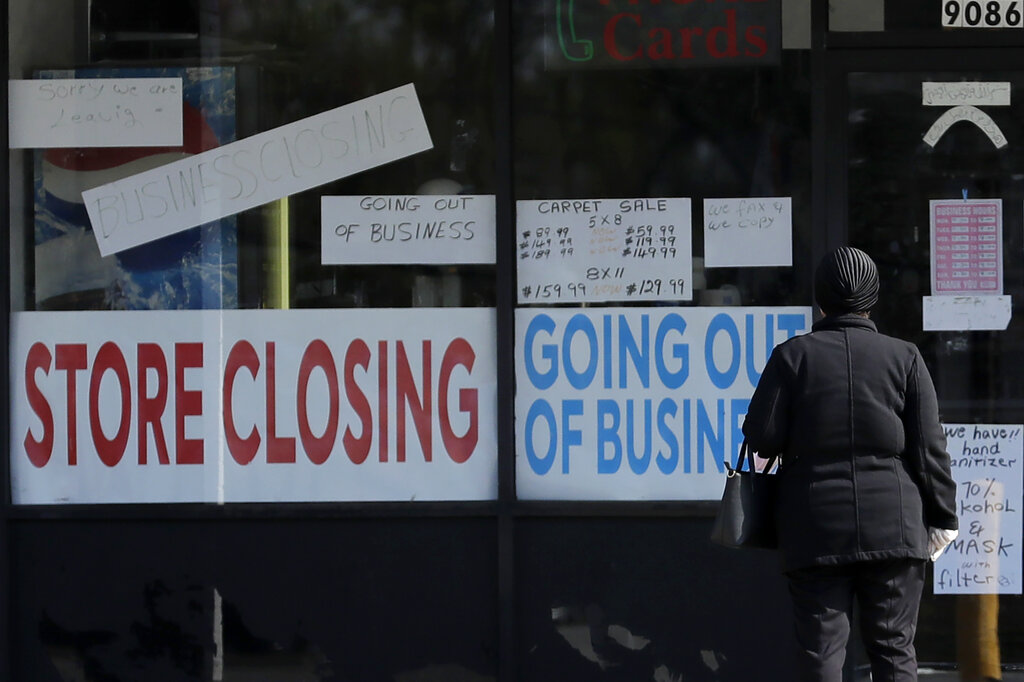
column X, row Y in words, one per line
column 846, row 282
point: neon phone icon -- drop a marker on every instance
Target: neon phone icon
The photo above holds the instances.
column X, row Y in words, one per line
column 573, row 42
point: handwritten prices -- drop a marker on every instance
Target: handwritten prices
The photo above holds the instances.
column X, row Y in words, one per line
column 576, row 250
column 986, row 556
column 95, row 112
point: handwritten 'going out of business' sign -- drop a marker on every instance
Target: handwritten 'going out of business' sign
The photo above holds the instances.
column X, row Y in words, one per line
column 442, row 229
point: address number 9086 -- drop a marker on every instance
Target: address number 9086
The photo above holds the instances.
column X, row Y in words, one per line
column 982, row 14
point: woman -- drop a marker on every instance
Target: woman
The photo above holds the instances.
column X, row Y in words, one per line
column 866, row 495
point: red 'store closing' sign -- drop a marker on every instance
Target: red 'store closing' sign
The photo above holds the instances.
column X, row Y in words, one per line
column 248, row 406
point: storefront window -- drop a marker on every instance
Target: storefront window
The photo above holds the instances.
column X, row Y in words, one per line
column 252, row 253
column 922, row 169
column 247, row 71
column 186, row 178
column 644, row 141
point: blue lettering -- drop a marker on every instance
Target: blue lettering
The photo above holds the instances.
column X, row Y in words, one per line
column 739, row 407
column 570, row 436
column 722, row 322
column 680, row 351
column 705, row 431
column 640, row 356
column 753, row 375
column 607, row 328
column 686, row 435
column 667, row 408
column 638, row 464
column 541, row 409
column 546, row 379
column 792, row 323
column 580, row 323
column 608, row 434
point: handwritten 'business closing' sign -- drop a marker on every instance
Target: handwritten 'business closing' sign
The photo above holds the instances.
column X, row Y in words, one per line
column 259, row 169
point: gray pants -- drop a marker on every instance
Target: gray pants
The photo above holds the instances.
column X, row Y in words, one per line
column 887, row 594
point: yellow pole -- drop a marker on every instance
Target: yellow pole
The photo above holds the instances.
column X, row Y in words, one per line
column 977, row 637
column 278, row 265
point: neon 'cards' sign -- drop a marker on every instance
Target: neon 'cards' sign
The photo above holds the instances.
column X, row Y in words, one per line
column 662, row 33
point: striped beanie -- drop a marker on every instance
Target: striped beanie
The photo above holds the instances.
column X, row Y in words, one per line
column 846, row 282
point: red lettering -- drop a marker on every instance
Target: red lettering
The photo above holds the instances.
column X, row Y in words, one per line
column 406, row 396
column 382, row 398
column 729, row 31
column 755, row 36
column 110, row 357
column 661, row 48
column 358, row 355
column 242, row 449
column 459, row 448
column 687, row 35
column 187, row 403
column 610, row 43
column 71, row 358
column 38, row 451
column 279, row 450
column 318, row 355
column 151, row 357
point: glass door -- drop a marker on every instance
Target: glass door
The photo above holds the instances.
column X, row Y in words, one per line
column 926, row 173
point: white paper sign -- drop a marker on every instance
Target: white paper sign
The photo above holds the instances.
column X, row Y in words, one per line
column 259, row 169
column 573, row 250
column 970, row 114
column 965, row 92
column 748, row 232
column 988, row 460
column 637, row 403
column 95, row 112
column 253, row 406
column 963, row 313
column 440, row 229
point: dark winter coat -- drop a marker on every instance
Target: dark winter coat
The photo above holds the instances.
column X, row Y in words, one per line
column 865, row 471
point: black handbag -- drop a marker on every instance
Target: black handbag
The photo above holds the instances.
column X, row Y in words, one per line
column 746, row 517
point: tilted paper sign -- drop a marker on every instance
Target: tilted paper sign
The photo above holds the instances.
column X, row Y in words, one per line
column 257, row 170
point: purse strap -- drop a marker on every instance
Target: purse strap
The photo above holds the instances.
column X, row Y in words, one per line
column 747, row 454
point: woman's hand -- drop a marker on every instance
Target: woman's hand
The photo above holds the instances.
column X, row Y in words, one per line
column 939, row 539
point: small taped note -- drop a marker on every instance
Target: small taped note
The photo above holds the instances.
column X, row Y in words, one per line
column 748, row 232
column 966, row 313
column 49, row 113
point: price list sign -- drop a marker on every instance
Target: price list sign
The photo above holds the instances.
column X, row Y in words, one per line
column 967, row 246
column 590, row 250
